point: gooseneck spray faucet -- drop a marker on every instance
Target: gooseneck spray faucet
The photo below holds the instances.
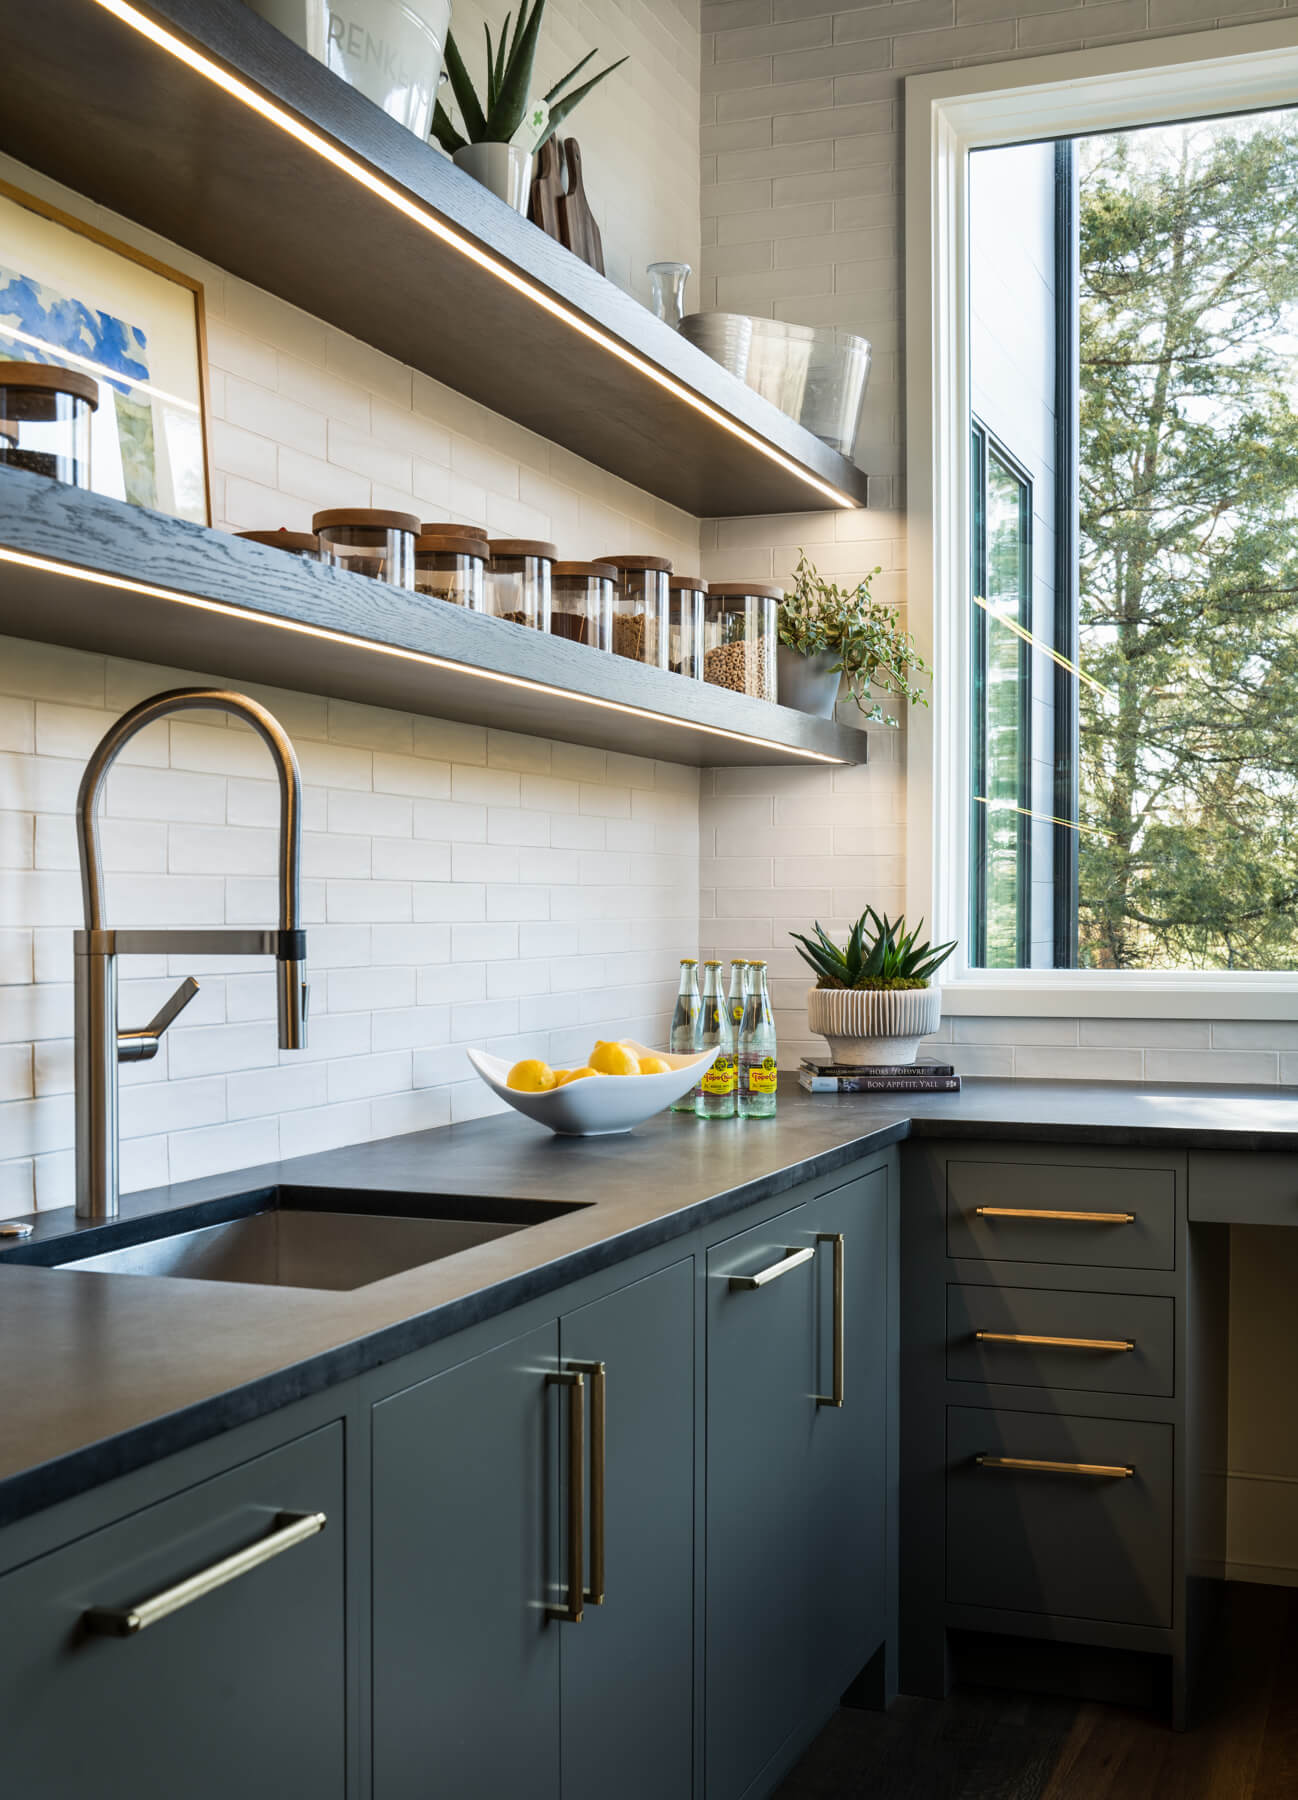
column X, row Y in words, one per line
column 100, row 1044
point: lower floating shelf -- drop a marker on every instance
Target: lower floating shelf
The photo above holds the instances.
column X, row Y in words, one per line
column 82, row 570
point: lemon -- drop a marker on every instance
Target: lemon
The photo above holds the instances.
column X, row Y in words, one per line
column 654, row 1065
column 532, row 1076
column 567, row 1075
column 613, row 1059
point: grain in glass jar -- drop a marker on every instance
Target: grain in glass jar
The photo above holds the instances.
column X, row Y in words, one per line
column 452, row 567
column 581, row 606
column 685, row 625
column 45, row 420
column 298, row 543
column 640, row 605
column 740, row 620
column 370, row 541
column 519, row 580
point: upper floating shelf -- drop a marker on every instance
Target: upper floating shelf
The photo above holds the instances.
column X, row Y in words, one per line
column 94, row 573
column 466, row 290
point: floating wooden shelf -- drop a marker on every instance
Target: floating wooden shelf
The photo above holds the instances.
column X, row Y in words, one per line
column 91, row 101
column 163, row 590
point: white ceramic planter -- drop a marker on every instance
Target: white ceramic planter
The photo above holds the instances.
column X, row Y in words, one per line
column 504, row 168
column 862, row 1026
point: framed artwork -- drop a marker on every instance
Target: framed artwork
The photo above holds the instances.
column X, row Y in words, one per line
column 72, row 296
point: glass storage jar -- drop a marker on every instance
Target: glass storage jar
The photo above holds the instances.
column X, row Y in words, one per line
column 453, row 568
column 740, row 620
column 685, row 625
column 640, row 608
column 298, row 543
column 45, row 420
column 581, row 605
column 519, row 579
column 370, row 541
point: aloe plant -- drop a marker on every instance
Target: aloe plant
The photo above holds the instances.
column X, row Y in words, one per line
column 880, row 953
column 509, row 86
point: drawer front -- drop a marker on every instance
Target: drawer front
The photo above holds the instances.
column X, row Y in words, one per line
column 1120, row 1343
column 1074, row 1545
column 1243, row 1187
column 990, row 1210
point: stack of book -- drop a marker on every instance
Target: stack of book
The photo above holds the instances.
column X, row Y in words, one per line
column 878, row 1078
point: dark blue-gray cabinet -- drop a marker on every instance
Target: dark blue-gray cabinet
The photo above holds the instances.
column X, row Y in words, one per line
column 518, row 1649
column 796, row 1474
column 193, row 1648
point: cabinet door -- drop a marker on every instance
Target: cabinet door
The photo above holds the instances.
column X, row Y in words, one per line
column 760, row 1428
column 239, row 1692
column 466, row 1664
column 628, row 1667
column 849, row 1457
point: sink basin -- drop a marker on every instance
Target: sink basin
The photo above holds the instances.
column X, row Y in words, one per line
column 300, row 1238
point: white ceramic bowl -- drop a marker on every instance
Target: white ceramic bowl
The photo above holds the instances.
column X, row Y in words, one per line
column 601, row 1104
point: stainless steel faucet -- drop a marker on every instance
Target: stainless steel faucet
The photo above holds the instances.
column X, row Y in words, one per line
column 100, row 1045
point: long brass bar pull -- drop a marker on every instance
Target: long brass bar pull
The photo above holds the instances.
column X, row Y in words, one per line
column 1053, row 1343
column 125, row 1621
column 792, row 1259
column 1034, row 1465
column 1050, row 1212
column 594, row 1594
column 570, row 1614
column 835, row 1398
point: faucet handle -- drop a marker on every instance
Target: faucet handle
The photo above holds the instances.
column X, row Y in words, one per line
column 142, row 1046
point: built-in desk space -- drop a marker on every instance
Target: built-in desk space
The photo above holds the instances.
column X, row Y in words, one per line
column 1248, row 1187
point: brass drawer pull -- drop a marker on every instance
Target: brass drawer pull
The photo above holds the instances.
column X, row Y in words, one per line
column 126, row 1621
column 594, row 1594
column 835, row 1397
column 1048, row 1212
column 792, row 1259
column 1032, row 1464
column 570, row 1612
column 1054, row 1343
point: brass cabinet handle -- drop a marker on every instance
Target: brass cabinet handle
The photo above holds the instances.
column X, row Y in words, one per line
column 1054, row 1343
column 125, row 1621
column 792, row 1259
column 1050, row 1212
column 1033, row 1464
column 835, row 1398
column 570, row 1613
column 594, row 1594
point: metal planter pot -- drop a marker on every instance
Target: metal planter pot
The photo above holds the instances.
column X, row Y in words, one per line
column 809, row 684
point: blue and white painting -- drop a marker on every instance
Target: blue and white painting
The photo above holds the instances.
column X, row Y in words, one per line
column 48, row 322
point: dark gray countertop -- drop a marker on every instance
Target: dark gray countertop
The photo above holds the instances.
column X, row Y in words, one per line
column 105, row 1373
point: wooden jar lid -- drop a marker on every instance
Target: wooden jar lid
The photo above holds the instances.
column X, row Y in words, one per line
column 524, row 547
column 19, row 376
column 282, row 539
column 366, row 518
column 738, row 590
column 690, row 584
column 443, row 543
column 660, row 563
column 444, row 528
column 594, row 571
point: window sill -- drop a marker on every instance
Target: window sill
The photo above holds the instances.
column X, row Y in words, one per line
column 1088, row 994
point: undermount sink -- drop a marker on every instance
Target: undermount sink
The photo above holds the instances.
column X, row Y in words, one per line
column 303, row 1237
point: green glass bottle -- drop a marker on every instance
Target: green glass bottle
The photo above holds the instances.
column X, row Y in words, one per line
column 714, row 1098
column 735, row 1000
column 757, row 1050
column 687, row 1024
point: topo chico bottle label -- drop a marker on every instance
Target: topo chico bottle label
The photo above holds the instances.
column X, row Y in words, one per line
column 721, row 1078
column 763, row 1076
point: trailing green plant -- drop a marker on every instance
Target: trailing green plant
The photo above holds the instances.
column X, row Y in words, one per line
column 880, row 954
column 509, row 87
column 872, row 647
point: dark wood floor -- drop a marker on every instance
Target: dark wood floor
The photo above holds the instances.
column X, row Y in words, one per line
column 987, row 1745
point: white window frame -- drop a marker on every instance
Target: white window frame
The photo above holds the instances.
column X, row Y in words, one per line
column 948, row 114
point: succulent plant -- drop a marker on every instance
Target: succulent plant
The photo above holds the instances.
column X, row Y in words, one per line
column 880, row 953
column 509, row 87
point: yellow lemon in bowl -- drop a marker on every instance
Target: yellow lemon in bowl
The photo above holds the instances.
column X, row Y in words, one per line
column 532, row 1076
column 567, row 1075
column 613, row 1059
column 654, row 1065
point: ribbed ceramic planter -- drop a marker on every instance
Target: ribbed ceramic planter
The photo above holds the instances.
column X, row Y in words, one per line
column 865, row 1026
